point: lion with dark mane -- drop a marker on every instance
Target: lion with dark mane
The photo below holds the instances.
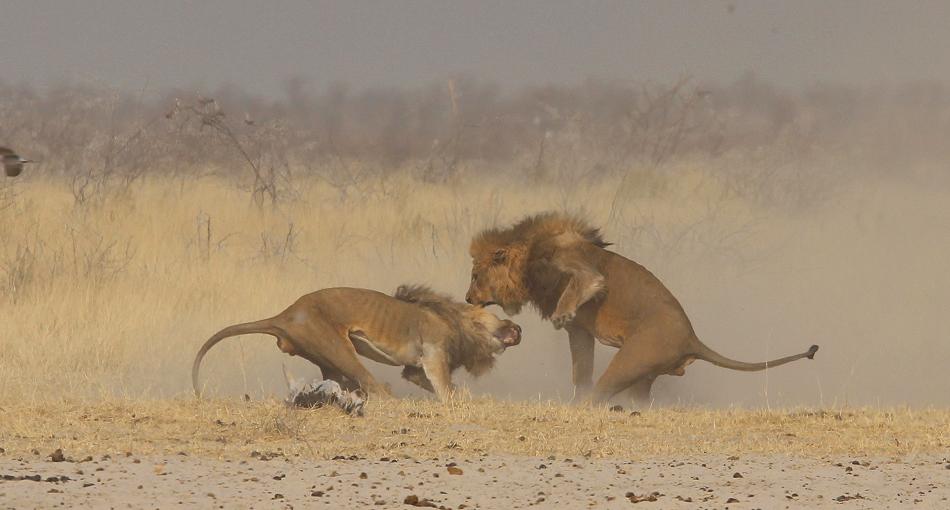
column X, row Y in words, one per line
column 560, row 264
column 427, row 333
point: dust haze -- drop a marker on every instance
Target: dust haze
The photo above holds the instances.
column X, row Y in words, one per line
column 790, row 190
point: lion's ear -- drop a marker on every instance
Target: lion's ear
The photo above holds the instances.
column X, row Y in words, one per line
column 500, row 256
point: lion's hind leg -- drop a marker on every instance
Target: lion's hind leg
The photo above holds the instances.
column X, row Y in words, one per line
column 417, row 376
column 336, row 356
column 636, row 364
column 639, row 391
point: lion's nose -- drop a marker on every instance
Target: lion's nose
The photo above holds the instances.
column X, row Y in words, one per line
column 468, row 298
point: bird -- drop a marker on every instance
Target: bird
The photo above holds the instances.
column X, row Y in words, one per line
column 12, row 163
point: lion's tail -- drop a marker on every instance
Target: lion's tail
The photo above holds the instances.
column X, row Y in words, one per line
column 705, row 353
column 265, row 326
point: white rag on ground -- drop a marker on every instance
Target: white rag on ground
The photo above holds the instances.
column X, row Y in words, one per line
column 318, row 393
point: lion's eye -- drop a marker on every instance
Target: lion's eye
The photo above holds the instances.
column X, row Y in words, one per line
column 474, row 276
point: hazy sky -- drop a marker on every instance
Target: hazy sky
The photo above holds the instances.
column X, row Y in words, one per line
column 258, row 45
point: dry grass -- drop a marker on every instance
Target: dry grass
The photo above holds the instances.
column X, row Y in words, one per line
column 463, row 428
column 112, row 298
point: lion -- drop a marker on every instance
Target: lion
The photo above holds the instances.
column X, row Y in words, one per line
column 12, row 163
column 560, row 265
column 427, row 333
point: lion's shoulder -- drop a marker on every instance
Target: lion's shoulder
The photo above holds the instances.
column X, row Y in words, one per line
column 420, row 294
column 554, row 224
column 543, row 228
column 423, row 296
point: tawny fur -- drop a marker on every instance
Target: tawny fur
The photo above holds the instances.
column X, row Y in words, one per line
column 558, row 263
column 427, row 333
column 467, row 347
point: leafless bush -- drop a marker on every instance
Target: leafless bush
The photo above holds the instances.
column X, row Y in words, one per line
column 18, row 271
column 280, row 247
column 104, row 140
column 262, row 149
column 96, row 258
column 206, row 241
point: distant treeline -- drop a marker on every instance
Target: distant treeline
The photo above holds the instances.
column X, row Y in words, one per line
column 440, row 128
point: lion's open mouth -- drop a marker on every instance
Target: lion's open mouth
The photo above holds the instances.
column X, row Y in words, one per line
column 509, row 335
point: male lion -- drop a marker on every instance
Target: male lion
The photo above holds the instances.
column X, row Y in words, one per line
column 427, row 333
column 560, row 265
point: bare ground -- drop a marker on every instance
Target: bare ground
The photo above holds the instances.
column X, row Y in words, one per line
column 493, row 481
column 479, row 453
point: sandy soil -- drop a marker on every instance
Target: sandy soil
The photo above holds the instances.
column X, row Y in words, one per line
column 266, row 481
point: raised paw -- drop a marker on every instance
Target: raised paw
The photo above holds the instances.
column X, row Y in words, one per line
column 562, row 319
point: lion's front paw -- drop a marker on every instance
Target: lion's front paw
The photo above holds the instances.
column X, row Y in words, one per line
column 562, row 319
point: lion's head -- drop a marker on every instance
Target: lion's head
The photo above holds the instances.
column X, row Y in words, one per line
column 498, row 275
column 479, row 334
column 500, row 257
column 502, row 333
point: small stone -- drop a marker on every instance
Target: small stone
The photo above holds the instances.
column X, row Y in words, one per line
column 737, row 475
column 414, row 500
column 453, row 470
column 640, row 499
column 617, row 408
column 732, row 500
column 278, row 496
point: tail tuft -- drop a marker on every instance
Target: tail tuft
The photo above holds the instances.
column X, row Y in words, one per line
column 811, row 352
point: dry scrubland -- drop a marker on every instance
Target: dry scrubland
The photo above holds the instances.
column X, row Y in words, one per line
column 112, row 299
column 113, row 273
